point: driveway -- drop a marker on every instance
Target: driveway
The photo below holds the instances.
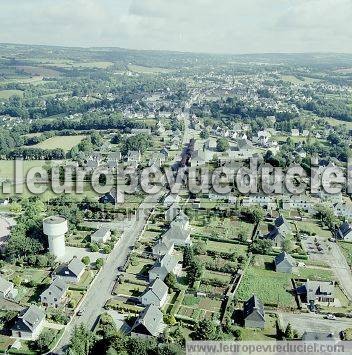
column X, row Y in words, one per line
column 314, row 322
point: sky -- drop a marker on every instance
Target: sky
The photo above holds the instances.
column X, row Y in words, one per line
column 213, row 26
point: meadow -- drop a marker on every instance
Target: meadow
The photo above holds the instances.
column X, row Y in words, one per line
column 66, row 143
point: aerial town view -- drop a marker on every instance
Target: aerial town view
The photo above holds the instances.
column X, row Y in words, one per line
column 166, row 184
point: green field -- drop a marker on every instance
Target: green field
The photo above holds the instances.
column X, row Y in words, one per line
column 64, row 142
column 269, row 286
column 226, row 247
column 316, row 274
column 346, row 248
column 6, row 94
column 7, row 167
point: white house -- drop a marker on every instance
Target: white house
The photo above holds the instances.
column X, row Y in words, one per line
column 102, row 235
column 71, row 272
column 7, row 289
column 163, row 267
column 54, row 295
column 155, row 294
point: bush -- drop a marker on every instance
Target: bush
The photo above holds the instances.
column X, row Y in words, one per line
column 85, row 260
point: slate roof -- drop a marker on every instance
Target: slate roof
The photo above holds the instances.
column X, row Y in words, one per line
column 162, row 247
column 4, row 284
column 29, row 319
column 76, row 266
column 345, row 229
column 57, row 289
column 151, row 319
column 163, row 267
column 100, row 233
column 253, row 304
column 176, row 234
column 284, row 256
column 158, row 288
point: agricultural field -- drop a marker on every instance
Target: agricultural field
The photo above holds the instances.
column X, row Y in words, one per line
column 221, row 247
column 270, row 287
column 66, row 143
column 6, row 94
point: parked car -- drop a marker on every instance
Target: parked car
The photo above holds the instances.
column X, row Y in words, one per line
column 330, row 316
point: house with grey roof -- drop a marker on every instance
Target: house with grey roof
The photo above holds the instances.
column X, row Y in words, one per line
column 177, row 235
column 344, row 232
column 280, row 232
column 134, row 157
column 317, row 291
column 102, row 235
column 284, row 262
column 163, row 247
column 163, row 267
column 54, row 295
column 170, row 199
column 29, row 323
column 71, row 272
column 253, row 313
column 172, row 212
column 7, row 289
column 149, row 323
column 181, row 220
column 155, row 294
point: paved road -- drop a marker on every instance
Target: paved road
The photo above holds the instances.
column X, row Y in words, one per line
column 338, row 263
column 100, row 291
column 314, row 322
column 101, row 288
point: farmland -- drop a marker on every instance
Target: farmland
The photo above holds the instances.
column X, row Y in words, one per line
column 63, row 142
column 6, row 94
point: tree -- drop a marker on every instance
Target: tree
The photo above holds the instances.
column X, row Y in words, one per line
column 288, row 332
column 169, row 319
column 15, row 207
column 44, row 341
column 99, row 263
column 170, row 280
column 195, row 271
column 82, row 341
column 288, row 245
column 204, row 134
column 253, row 214
column 188, row 256
column 205, row 330
column 262, row 246
column 86, row 260
column 222, row 144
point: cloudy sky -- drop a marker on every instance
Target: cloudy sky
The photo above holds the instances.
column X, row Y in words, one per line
column 222, row 26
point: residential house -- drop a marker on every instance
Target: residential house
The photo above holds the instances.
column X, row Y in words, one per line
column 343, row 210
column 7, row 289
column 170, row 199
column 295, row 132
column 253, row 313
column 172, row 212
column 163, row 247
column 163, row 267
column 149, row 323
column 71, row 272
column 261, row 200
column 178, row 235
column 198, row 158
column 54, row 295
column 102, row 235
column 155, row 294
column 285, row 263
column 317, row 291
column 29, row 323
column 344, row 232
column 280, row 232
column 181, row 221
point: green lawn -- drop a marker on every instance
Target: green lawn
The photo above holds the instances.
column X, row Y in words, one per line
column 130, row 289
column 64, row 142
column 313, row 226
column 139, row 266
column 270, row 287
column 346, row 248
column 226, row 247
column 316, row 274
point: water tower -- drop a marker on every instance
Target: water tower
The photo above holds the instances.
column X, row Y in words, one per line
column 55, row 228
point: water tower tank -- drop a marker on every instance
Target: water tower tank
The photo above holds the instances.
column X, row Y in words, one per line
column 55, row 228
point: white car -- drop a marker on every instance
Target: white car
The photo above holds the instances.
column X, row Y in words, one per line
column 330, row 316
